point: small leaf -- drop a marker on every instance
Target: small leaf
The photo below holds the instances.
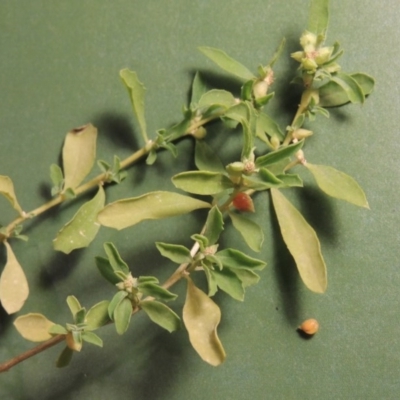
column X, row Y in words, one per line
column 34, row 327
column 115, row 301
column 136, row 92
column 92, row 338
column 14, row 288
column 250, row 231
column 83, row 227
column 302, row 242
column 65, row 357
column 262, row 180
column 155, row 205
column 117, row 263
column 216, row 97
column 198, row 89
column 57, row 329
column 366, row 82
column 156, row 291
column 161, row 315
column 106, row 270
column 201, row 317
column 350, row 86
column 266, row 124
column 318, row 17
column 227, row 63
column 338, row 184
column 122, row 316
column 7, row 190
column 202, row 182
column 280, row 154
column 80, row 316
column 57, row 178
column 176, row 253
column 79, row 153
column 214, row 225
column 97, row 316
column 229, row 282
column 147, row 279
column 232, row 258
column 73, row 304
column 246, row 276
column 290, row 180
column 206, row 159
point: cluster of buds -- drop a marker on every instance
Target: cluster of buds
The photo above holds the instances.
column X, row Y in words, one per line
column 312, row 57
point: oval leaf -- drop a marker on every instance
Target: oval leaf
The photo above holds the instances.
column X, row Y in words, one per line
column 227, row 63
column 214, row 225
column 79, row 153
column 34, row 327
column 350, row 86
column 154, row 205
column 278, row 155
column 216, row 97
column 122, row 316
column 338, row 184
column 83, row 227
column 201, row 317
column 97, row 316
column 251, row 231
column 65, row 357
column 202, row 182
column 14, row 289
column 232, row 258
column 92, row 338
column 302, row 242
column 7, row 190
column 177, row 253
column 318, row 17
column 162, row 315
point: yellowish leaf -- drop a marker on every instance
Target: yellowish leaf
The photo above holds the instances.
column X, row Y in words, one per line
column 14, row 288
column 201, row 317
column 34, row 327
column 7, row 190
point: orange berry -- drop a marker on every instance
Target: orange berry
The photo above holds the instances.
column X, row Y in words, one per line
column 309, row 326
column 243, row 202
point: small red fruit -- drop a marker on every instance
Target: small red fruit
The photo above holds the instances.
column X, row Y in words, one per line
column 243, row 202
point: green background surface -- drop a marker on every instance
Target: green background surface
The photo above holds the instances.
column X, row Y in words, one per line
column 59, row 63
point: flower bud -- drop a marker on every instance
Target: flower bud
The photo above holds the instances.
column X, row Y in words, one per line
column 308, row 41
column 275, row 142
column 323, row 55
column 301, row 133
column 243, row 202
column 309, row 64
column 235, row 167
column 260, row 89
column 298, row 56
column 199, row 133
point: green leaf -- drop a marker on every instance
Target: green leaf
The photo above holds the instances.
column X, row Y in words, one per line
column 177, row 253
column 206, row 159
column 350, row 86
column 64, row 358
column 34, row 327
column 202, row 182
column 106, row 270
column 211, row 280
column 57, row 178
column 97, row 316
column 80, row 316
column 246, row 276
column 214, row 225
column 229, row 282
column 155, row 205
column 247, row 146
column 216, row 97
column 250, row 231
column 78, row 154
column 92, row 338
column 302, row 242
column 278, row 53
column 14, row 289
column 232, row 258
column 117, row 263
column 278, row 155
column 318, row 17
column 74, row 305
column 290, row 180
column 366, row 82
column 338, row 184
column 136, row 92
column 201, row 240
column 237, row 113
column 7, row 190
column 122, row 316
column 57, row 329
column 198, row 89
column 115, row 301
column 266, row 124
column 83, row 227
column 201, row 317
column 162, row 315
column 147, row 279
column 227, row 63
column 154, row 290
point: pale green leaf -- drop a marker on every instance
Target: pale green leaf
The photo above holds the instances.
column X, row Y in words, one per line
column 78, row 154
column 14, row 288
column 350, row 86
column 57, row 329
column 206, row 159
column 232, row 258
column 92, row 338
column 156, row 291
column 7, row 190
column 56, row 175
column 106, row 270
column 74, row 305
column 97, row 316
column 227, row 63
column 366, row 82
column 154, row 205
column 338, row 184
column 278, row 155
column 318, row 17
column 229, row 282
column 177, row 253
column 201, row 317
column 214, row 225
column 246, row 276
column 202, row 182
column 302, row 242
column 34, row 327
column 216, row 97
column 64, row 358
column 161, row 314
column 250, row 231
column 136, row 92
column 266, row 124
column 116, row 261
column 83, row 227
column 115, row 301
column 198, row 89
column 122, row 316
